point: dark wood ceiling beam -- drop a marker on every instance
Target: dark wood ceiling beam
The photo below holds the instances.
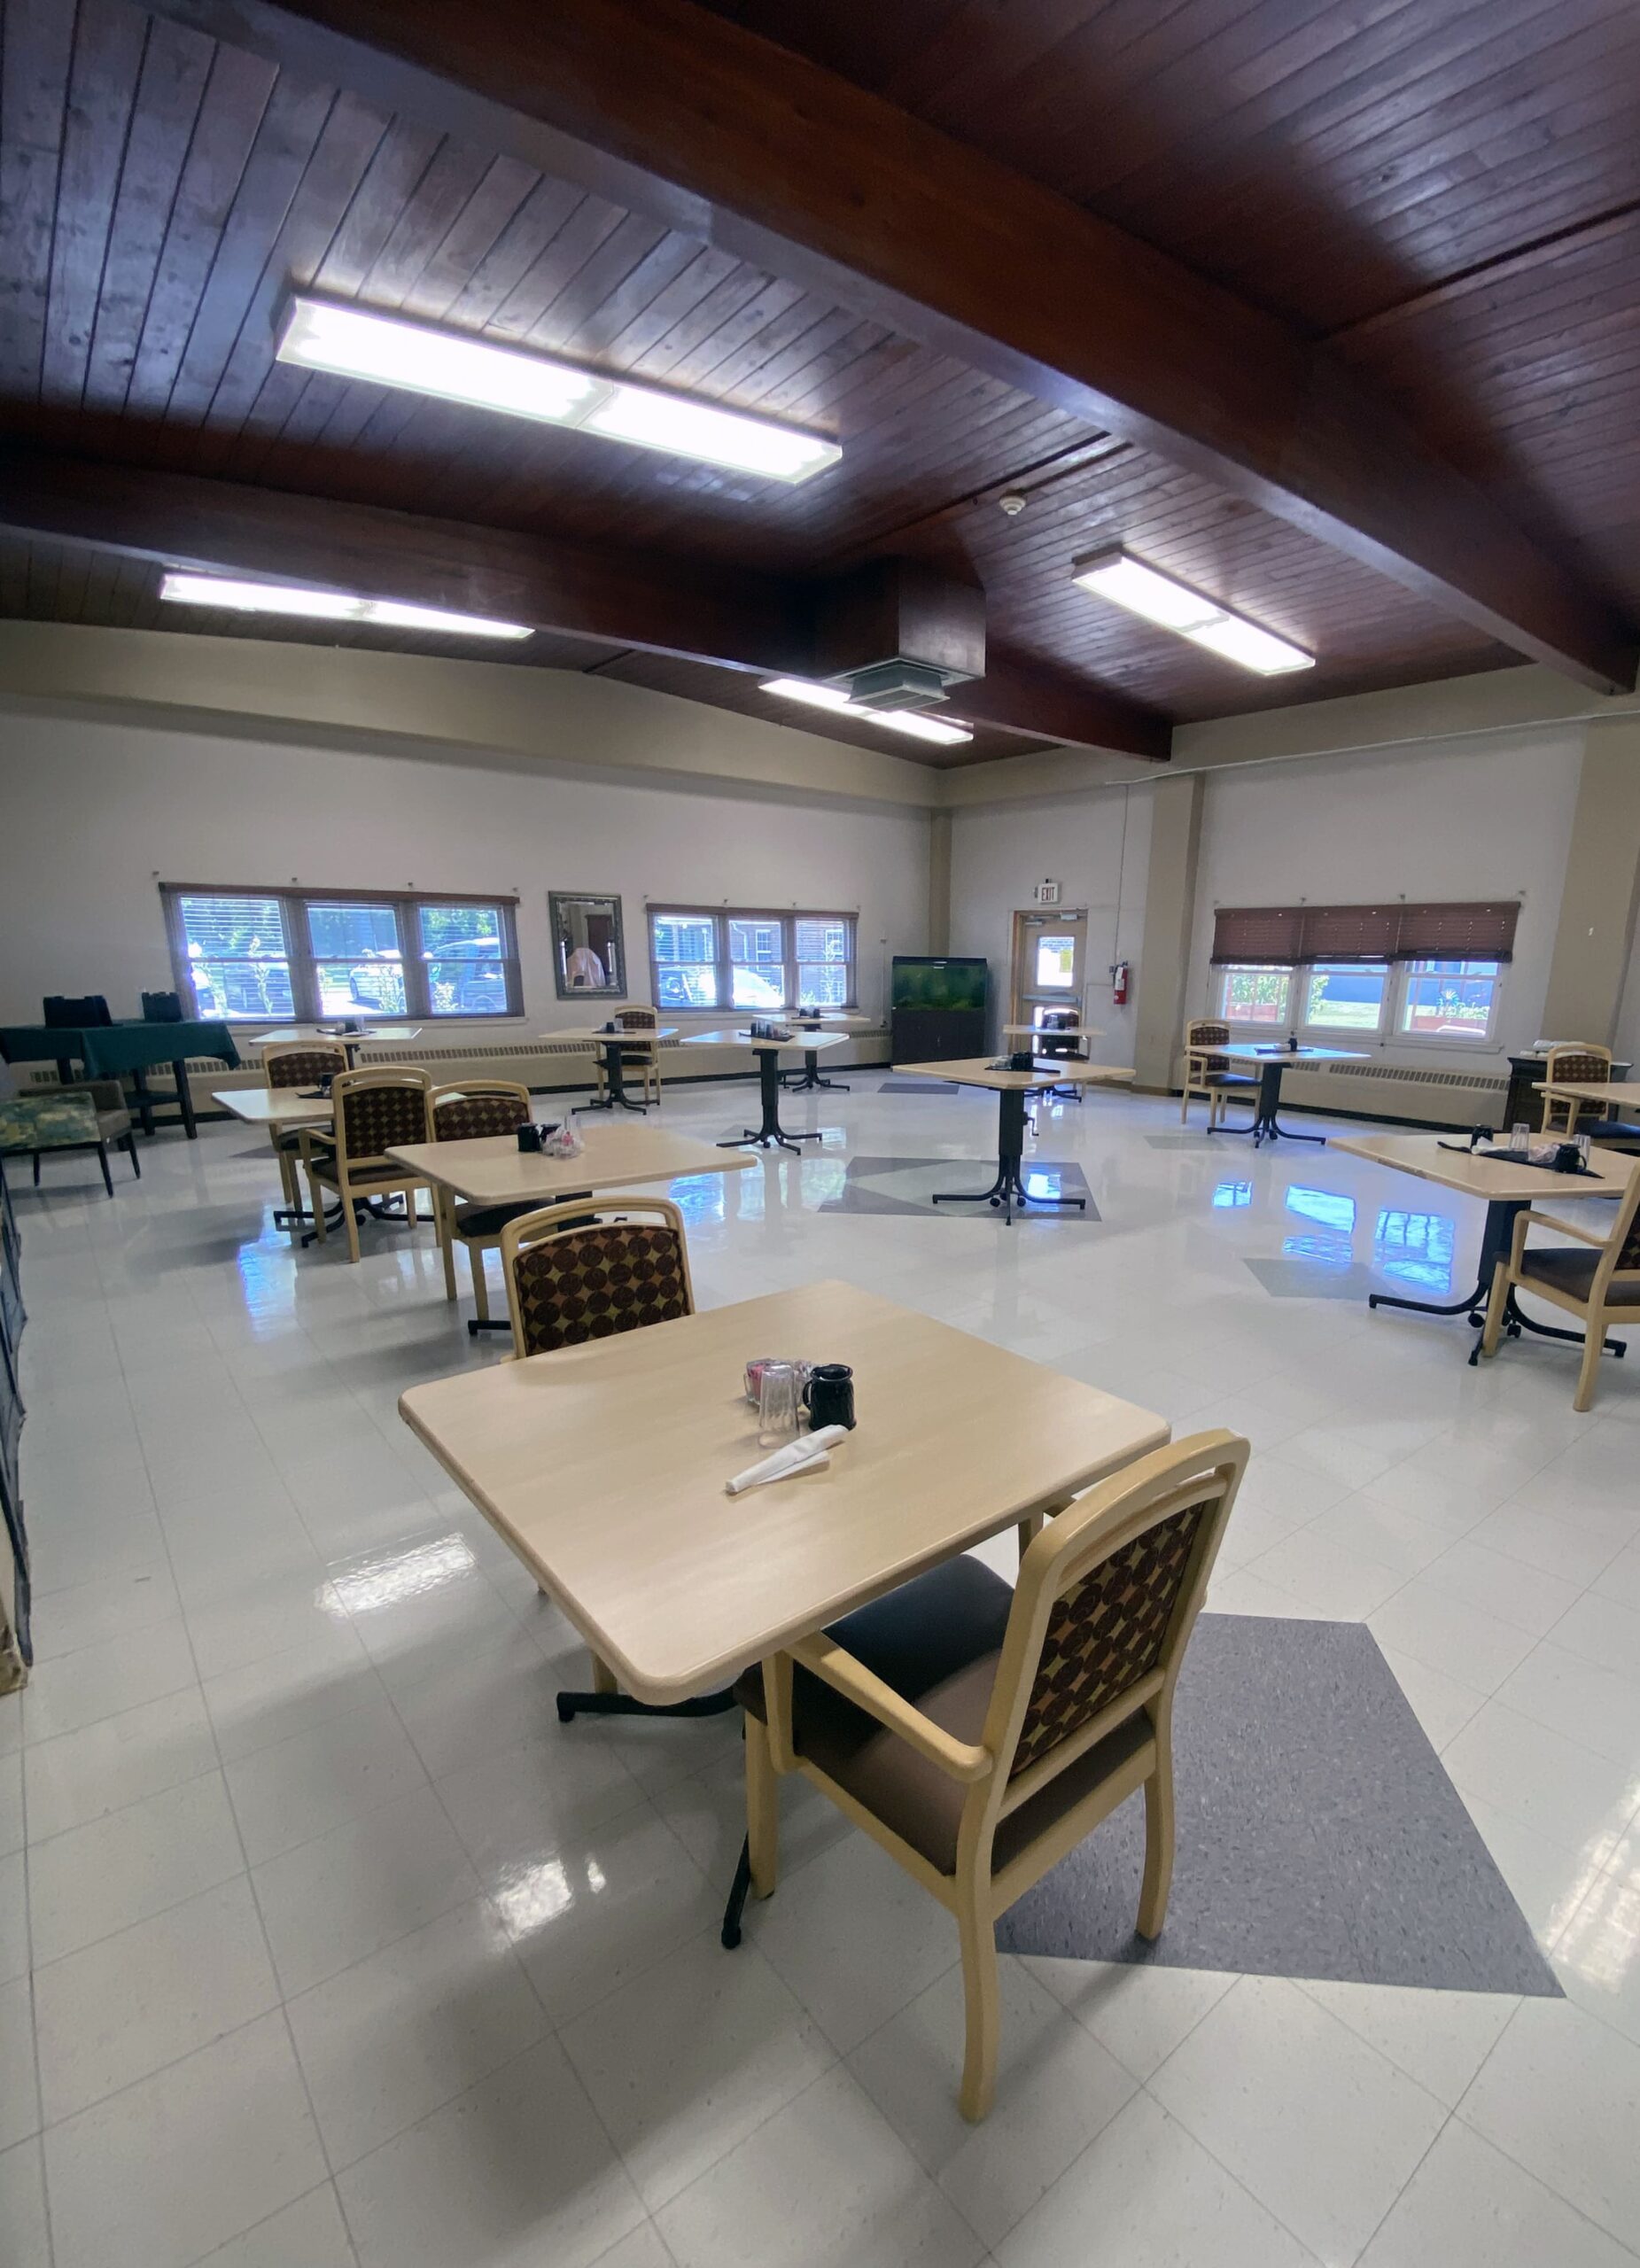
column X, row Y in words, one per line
column 742, row 621
column 728, row 136
column 734, row 619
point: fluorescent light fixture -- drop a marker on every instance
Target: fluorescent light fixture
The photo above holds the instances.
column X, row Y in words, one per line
column 911, row 722
column 1142, row 589
column 387, row 351
column 330, row 606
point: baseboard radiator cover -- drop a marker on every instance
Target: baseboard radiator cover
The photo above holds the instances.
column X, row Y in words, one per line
column 1394, row 1091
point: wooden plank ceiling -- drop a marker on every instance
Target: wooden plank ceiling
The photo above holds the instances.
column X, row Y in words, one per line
column 1448, row 192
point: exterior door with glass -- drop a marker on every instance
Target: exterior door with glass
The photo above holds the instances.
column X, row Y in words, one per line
column 1050, row 956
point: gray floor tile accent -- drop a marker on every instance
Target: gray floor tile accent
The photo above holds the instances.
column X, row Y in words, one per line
column 1318, row 1835
column 918, row 1087
column 908, row 1185
column 1286, row 1278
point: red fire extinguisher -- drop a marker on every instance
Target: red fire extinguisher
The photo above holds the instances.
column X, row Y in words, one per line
column 1119, row 983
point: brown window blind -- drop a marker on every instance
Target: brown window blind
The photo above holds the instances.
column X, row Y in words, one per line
column 1300, row 933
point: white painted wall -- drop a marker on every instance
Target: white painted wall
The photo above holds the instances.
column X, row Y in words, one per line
column 92, row 815
column 1489, row 817
column 1097, row 847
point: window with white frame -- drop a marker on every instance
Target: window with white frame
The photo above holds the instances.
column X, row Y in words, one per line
column 1451, row 1002
column 260, row 956
column 1411, row 972
column 1449, row 999
column 717, row 957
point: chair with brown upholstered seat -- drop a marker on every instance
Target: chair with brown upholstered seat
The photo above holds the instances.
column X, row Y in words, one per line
column 644, row 1056
column 376, row 1111
column 1581, row 1063
column 298, row 1063
column 1599, row 1284
column 467, row 1112
column 577, row 1273
column 979, row 1734
column 1208, row 1074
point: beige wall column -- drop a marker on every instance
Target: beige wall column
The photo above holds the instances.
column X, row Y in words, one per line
column 1170, row 915
column 1602, row 890
column 940, row 881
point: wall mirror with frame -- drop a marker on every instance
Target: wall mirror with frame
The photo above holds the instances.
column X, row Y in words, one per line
column 588, row 952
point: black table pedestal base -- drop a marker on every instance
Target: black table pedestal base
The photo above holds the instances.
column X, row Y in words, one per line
column 1265, row 1127
column 1008, row 1190
column 1496, row 1239
column 615, row 1078
column 771, row 1134
column 740, row 1890
column 810, row 1082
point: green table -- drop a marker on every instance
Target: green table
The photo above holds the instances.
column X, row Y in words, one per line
column 111, row 1051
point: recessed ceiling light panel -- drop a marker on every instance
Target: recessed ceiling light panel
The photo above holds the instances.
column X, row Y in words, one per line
column 385, row 350
column 911, row 722
column 1144, row 590
column 245, row 597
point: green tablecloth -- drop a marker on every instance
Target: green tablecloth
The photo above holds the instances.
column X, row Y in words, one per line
column 107, row 1050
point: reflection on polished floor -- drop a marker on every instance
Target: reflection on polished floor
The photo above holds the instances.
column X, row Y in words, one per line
column 321, row 1943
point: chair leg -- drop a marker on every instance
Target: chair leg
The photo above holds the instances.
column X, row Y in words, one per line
column 480, row 1286
column 1152, row 1897
column 316, row 1199
column 37, row 1169
column 982, row 2001
column 1495, row 1306
column 1184, row 1103
column 130, row 1144
column 350, row 1222
column 762, row 1809
column 442, row 1206
column 1594, row 1337
column 102, row 1158
column 603, row 1675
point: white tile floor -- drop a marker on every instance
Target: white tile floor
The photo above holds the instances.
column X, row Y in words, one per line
column 322, row 1944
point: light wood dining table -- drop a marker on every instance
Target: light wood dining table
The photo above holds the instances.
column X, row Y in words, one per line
column 1506, row 1187
column 678, row 1586
column 612, row 1043
column 1011, row 1089
column 771, row 1133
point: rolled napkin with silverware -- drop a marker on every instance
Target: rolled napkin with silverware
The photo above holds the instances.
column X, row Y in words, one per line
column 808, row 1453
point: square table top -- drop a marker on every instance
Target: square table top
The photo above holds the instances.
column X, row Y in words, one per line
column 389, row 1035
column 1052, row 1031
column 1625, row 1093
column 603, row 1465
column 1272, row 1051
column 594, row 1035
column 800, row 1039
column 492, row 1170
column 276, row 1106
column 977, row 1071
column 1494, row 1180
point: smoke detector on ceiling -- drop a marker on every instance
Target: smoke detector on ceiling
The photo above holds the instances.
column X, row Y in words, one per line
column 1013, row 503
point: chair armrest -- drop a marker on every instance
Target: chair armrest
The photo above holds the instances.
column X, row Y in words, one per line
column 857, row 1683
column 1563, row 1228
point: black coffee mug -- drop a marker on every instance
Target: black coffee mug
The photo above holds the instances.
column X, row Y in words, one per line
column 530, row 1139
column 829, row 1396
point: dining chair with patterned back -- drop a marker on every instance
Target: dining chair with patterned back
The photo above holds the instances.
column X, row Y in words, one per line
column 1208, row 1074
column 1597, row 1279
column 643, row 1056
column 978, row 1734
column 298, row 1063
column 468, row 1112
column 374, row 1111
column 578, row 1272
column 1580, row 1062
